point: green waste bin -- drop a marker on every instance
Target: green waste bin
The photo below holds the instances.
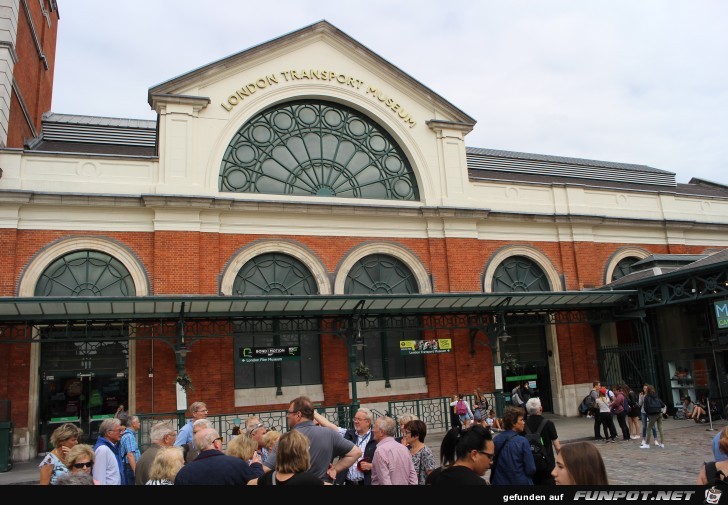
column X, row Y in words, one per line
column 6, row 446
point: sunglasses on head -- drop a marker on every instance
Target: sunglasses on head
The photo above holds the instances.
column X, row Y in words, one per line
column 83, row 465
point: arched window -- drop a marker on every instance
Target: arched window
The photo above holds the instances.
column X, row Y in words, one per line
column 313, row 148
column 519, row 273
column 69, row 360
column 85, row 273
column 384, row 274
column 277, row 274
column 527, row 344
column 274, row 274
column 623, row 267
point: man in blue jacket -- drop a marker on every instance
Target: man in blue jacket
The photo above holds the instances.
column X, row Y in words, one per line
column 513, row 463
column 213, row 467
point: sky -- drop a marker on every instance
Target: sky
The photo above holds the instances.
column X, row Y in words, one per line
column 643, row 82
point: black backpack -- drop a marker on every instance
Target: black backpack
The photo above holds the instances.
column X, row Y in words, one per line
column 538, row 451
column 714, row 476
column 653, row 405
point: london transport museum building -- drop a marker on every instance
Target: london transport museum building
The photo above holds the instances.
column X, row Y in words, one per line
column 303, row 213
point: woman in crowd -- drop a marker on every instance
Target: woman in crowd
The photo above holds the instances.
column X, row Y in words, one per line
column 652, row 401
column 480, row 408
column 167, row 462
column 471, row 453
column 492, row 422
column 80, row 459
column 293, row 459
column 63, row 439
column 579, row 464
column 454, row 417
column 698, row 412
column 710, row 472
column 633, row 416
column 424, row 461
column 605, row 416
column 244, row 447
column 270, row 439
column 643, row 414
column 403, row 420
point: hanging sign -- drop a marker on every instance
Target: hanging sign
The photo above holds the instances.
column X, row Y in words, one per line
column 415, row 347
column 721, row 314
column 269, row 354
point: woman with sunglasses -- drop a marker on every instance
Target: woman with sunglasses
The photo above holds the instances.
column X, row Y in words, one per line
column 80, row 459
column 472, row 451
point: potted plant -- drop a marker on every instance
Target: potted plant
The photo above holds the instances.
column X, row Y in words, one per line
column 184, row 381
column 363, row 372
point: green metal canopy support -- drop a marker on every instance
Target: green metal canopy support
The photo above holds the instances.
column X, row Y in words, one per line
column 494, row 326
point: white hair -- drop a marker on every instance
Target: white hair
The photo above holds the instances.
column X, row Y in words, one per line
column 533, row 406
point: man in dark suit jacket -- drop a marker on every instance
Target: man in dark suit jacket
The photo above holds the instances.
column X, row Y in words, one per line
column 214, row 467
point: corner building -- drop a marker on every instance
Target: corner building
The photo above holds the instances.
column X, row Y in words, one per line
column 307, row 193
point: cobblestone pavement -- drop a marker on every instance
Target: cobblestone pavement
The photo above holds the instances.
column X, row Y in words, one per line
column 686, row 449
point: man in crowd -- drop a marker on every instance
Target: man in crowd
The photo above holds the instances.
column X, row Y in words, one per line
column 198, row 410
column 129, row 447
column 360, row 473
column 108, row 468
column 325, row 444
column 213, row 467
column 549, row 437
column 161, row 435
column 392, row 462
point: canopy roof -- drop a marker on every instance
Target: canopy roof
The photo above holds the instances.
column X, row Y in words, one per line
column 165, row 307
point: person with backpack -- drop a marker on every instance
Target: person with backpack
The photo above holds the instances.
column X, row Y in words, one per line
column 593, row 409
column 653, row 407
column 633, row 415
column 619, row 408
column 643, row 414
column 605, row 416
column 462, row 409
column 513, row 463
column 715, row 473
column 544, row 435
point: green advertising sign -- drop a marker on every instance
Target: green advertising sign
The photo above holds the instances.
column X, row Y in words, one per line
column 721, row 314
column 269, row 354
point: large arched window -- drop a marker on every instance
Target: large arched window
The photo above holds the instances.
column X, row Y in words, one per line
column 85, row 273
column 519, row 273
column 527, row 344
column 313, row 148
column 75, row 369
column 276, row 274
column 384, row 274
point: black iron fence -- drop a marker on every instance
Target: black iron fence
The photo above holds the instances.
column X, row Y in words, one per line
column 435, row 412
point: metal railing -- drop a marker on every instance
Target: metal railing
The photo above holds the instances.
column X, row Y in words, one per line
column 435, row 412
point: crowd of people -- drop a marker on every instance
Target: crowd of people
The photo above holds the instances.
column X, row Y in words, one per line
column 479, row 449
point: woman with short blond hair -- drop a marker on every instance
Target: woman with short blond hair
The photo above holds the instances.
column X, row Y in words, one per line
column 293, row 460
column 63, row 439
column 167, row 462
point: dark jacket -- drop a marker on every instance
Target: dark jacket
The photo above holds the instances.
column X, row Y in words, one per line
column 367, row 453
column 212, row 467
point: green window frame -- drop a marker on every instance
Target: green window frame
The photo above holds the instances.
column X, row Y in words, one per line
column 316, row 148
column 85, row 273
column 384, row 274
column 277, row 274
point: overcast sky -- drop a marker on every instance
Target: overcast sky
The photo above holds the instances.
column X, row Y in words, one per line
column 642, row 82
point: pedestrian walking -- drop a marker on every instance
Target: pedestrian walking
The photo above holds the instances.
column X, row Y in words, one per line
column 653, row 408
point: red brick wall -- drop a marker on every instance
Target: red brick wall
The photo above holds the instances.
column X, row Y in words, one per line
column 192, row 263
column 31, row 77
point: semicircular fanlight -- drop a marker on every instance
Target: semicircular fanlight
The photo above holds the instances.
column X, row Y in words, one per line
column 317, row 149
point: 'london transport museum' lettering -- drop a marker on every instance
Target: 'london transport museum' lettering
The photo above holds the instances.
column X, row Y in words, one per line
column 320, row 75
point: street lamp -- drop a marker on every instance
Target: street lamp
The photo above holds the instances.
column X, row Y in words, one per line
column 495, row 329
